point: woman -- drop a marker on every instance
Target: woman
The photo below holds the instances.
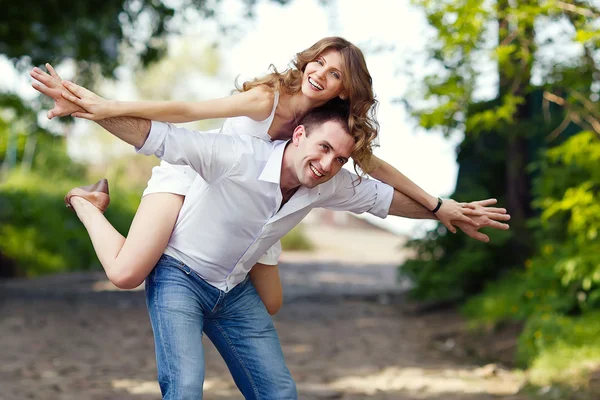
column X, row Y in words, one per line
column 269, row 107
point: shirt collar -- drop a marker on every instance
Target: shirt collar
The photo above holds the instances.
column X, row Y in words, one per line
column 272, row 170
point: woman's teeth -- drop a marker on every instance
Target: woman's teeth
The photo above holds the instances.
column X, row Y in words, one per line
column 315, row 84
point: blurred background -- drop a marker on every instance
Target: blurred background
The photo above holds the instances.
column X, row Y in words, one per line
column 477, row 99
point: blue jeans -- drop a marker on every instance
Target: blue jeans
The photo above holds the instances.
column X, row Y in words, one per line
column 182, row 306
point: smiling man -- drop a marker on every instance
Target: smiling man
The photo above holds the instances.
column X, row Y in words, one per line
column 252, row 192
column 248, row 193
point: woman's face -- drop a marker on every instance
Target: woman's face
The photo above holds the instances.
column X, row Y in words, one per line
column 322, row 79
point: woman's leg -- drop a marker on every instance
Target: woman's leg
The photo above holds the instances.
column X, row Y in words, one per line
column 127, row 261
column 265, row 279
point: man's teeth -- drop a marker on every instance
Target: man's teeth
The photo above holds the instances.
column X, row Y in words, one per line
column 316, row 172
column 315, row 84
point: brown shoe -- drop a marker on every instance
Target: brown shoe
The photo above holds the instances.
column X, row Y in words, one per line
column 97, row 194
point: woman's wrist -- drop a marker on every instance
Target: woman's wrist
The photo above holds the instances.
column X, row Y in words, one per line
column 115, row 108
column 438, row 205
column 431, row 202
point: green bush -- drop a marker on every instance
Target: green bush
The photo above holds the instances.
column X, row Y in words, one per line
column 557, row 295
column 39, row 235
column 560, row 349
column 296, row 240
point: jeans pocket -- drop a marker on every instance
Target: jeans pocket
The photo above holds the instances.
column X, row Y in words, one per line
column 183, row 267
column 168, row 261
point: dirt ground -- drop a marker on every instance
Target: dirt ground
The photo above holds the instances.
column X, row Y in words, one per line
column 68, row 338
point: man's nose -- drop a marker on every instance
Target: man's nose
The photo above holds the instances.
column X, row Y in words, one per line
column 326, row 164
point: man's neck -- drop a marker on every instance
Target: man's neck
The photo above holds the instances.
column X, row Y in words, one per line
column 286, row 195
column 288, row 179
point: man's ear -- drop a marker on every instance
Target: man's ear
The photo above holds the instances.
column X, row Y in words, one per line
column 299, row 132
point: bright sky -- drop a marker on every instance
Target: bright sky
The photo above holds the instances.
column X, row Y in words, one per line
column 278, row 32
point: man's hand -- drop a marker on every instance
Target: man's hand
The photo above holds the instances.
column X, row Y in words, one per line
column 488, row 217
column 51, row 85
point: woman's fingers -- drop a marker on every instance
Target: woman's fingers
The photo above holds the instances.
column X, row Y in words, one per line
column 469, row 221
column 83, row 116
column 74, row 99
column 472, row 212
column 486, row 202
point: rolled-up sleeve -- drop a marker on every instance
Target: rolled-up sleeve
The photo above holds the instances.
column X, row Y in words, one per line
column 368, row 195
column 168, row 178
column 210, row 154
column 271, row 257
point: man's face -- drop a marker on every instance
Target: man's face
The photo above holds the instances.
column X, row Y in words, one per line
column 322, row 153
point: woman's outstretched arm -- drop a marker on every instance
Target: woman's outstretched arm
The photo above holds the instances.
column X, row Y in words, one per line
column 256, row 103
column 448, row 214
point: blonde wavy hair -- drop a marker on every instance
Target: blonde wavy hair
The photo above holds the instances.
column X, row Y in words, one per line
column 358, row 86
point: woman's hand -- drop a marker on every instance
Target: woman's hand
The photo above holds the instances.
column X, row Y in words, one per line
column 452, row 212
column 491, row 217
column 94, row 107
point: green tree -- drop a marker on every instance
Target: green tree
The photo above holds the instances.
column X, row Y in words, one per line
column 505, row 135
column 94, row 33
column 97, row 37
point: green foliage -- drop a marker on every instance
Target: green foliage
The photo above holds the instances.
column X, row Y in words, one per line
column 470, row 33
column 296, row 239
column 568, row 192
column 526, row 148
column 560, row 349
column 38, row 235
column 558, row 292
column 94, row 33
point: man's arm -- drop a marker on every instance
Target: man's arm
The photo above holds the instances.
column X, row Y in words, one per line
column 404, row 206
column 132, row 130
column 381, row 200
column 129, row 129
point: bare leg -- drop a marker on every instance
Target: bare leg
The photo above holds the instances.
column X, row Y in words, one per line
column 127, row 261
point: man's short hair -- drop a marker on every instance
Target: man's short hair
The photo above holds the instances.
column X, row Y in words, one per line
column 329, row 112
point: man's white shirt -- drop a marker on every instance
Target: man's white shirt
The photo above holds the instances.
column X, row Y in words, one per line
column 231, row 218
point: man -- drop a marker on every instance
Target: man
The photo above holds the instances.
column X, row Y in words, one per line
column 251, row 194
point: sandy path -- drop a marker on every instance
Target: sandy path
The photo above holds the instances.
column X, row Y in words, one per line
column 63, row 339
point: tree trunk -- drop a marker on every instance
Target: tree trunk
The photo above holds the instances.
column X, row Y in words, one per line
column 518, row 183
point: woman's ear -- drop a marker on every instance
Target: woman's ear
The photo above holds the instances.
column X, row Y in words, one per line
column 343, row 96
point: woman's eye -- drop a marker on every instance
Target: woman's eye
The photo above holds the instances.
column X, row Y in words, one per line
column 336, row 75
